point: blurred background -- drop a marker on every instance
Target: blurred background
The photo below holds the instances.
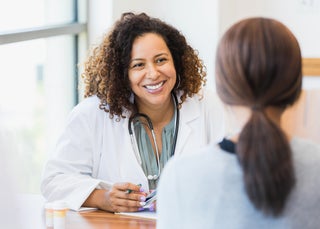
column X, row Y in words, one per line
column 44, row 42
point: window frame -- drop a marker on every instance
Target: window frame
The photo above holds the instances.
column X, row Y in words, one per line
column 75, row 28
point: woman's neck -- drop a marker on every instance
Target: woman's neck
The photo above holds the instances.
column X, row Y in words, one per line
column 159, row 115
column 237, row 117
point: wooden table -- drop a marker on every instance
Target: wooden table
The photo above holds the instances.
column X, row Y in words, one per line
column 32, row 216
column 101, row 219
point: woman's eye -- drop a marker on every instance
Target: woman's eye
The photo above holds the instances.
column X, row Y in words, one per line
column 137, row 65
column 160, row 60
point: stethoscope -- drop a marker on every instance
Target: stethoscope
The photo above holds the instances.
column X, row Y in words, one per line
column 137, row 117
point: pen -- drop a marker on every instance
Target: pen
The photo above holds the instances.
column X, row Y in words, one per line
column 128, row 191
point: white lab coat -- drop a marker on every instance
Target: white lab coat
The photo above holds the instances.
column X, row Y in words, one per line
column 95, row 151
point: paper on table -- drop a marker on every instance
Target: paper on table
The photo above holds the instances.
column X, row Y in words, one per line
column 83, row 209
column 146, row 213
column 142, row 214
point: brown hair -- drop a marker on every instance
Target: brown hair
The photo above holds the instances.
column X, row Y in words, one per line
column 258, row 65
column 106, row 70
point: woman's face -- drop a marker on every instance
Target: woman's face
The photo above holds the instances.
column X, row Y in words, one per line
column 151, row 73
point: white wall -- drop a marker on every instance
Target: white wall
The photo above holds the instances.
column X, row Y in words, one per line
column 301, row 16
column 99, row 19
column 203, row 21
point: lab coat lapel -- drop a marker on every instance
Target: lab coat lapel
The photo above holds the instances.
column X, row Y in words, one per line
column 187, row 114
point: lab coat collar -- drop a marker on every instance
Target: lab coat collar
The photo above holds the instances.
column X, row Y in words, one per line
column 188, row 113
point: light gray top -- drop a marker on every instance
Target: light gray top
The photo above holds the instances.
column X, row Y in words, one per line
column 205, row 190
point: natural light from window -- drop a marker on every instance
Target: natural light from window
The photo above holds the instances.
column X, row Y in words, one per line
column 38, row 84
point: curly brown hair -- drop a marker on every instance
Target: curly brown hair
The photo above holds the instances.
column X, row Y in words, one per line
column 106, row 69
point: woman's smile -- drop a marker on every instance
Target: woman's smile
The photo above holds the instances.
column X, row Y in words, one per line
column 153, row 87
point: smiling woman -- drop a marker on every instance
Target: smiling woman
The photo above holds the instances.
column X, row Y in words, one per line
column 145, row 76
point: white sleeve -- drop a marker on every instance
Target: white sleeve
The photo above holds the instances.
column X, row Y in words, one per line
column 68, row 173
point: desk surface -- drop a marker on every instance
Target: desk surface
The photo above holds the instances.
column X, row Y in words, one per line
column 101, row 219
column 33, row 216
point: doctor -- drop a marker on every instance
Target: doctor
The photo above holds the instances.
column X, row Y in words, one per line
column 144, row 103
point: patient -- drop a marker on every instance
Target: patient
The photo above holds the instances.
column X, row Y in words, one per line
column 259, row 176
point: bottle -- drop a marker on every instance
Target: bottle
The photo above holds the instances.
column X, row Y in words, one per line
column 49, row 215
column 59, row 214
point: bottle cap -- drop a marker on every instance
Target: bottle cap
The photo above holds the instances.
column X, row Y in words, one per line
column 60, row 205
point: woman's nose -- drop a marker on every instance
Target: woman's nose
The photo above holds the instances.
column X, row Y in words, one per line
column 152, row 71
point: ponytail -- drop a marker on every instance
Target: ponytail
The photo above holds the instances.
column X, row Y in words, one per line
column 266, row 159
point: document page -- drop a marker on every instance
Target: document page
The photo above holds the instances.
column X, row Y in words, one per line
column 146, row 213
column 142, row 214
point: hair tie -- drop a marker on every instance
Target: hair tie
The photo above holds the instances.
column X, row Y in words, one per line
column 257, row 107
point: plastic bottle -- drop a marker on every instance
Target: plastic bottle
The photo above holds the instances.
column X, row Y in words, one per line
column 49, row 215
column 59, row 214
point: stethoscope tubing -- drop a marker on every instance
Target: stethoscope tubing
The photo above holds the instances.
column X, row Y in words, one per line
column 176, row 125
column 134, row 142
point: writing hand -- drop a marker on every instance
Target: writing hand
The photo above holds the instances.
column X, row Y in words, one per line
column 124, row 197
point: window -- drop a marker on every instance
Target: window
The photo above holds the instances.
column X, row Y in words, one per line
column 40, row 43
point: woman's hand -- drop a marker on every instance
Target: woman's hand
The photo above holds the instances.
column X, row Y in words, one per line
column 122, row 197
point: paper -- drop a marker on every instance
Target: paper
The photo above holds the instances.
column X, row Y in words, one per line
column 151, row 198
column 141, row 214
column 83, row 209
column 146, row 213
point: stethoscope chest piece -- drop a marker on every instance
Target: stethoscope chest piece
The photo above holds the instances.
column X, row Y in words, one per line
column 152, row 177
